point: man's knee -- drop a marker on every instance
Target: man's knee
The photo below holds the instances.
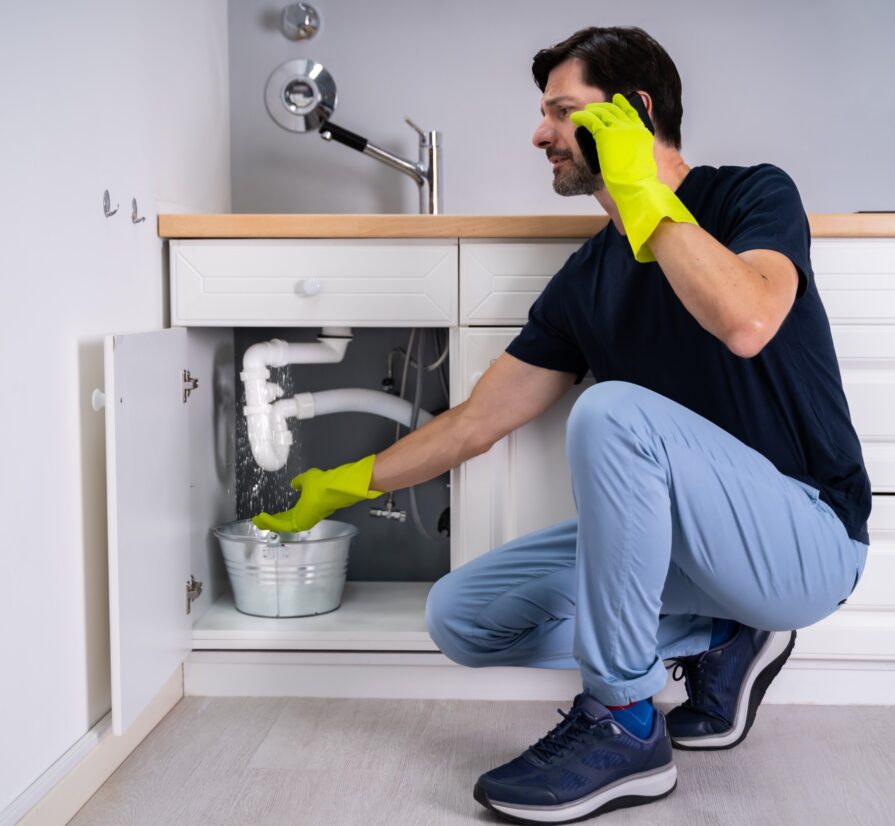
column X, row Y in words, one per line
column 600, row 411
column 451, row 623
column 443, row 622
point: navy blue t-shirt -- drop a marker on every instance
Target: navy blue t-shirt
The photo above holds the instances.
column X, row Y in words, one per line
column 606, row 313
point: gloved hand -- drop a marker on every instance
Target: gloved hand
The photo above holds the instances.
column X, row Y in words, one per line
column 322, row 493
column 625, row 147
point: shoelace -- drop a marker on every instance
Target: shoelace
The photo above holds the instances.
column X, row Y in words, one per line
column 566, row 734
column 692, row 675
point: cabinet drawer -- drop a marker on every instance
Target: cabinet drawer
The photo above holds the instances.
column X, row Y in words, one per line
column 870, row 390
column 314, row 282
column 856, row 278
column 499, row 280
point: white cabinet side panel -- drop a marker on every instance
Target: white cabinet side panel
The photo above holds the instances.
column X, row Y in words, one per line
column 147, row 454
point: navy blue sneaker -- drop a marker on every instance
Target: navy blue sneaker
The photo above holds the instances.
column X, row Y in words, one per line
column 587, row 765
column 725, row 686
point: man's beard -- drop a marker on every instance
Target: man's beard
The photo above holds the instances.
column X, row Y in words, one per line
column 574, row 178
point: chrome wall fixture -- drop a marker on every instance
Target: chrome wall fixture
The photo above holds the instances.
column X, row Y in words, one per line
column 300, row 21
column 301, row 95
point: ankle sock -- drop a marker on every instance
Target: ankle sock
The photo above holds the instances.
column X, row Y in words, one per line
column 635, row 717
column 722, row 631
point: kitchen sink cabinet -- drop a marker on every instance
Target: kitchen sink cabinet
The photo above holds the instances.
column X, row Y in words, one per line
column 170, row 446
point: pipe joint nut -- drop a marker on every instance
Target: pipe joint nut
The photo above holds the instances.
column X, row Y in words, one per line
column 255, row 374
column 281, row 437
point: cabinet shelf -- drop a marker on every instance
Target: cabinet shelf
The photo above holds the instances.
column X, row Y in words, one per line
column 374, row 616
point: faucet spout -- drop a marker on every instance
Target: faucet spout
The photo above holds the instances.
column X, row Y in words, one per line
column 411, row 169
column 426, row 173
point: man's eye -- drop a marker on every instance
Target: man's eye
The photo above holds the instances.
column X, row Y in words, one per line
column 565, row 111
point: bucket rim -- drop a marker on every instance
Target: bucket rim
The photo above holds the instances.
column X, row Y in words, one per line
column 345, row 531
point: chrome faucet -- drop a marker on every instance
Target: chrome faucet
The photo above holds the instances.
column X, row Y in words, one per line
column 426, row 172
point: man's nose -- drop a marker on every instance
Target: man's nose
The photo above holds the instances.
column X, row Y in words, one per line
column 543, row 136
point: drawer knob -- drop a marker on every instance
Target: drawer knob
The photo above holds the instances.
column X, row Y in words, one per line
column 309, row 286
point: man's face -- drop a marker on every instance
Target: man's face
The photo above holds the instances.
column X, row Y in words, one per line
column 565, row 93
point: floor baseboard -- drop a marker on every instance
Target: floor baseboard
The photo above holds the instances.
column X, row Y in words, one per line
column 419, row 675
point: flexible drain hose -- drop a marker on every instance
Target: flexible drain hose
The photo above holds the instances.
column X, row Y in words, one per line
column 362, row 400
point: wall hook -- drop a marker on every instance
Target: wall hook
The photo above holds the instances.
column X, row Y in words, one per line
column 107, row 203
column 134, row 217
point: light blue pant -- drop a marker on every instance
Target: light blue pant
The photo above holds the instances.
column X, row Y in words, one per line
column 678, row 522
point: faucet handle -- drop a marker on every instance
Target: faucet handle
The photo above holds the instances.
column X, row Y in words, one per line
column 416, row 128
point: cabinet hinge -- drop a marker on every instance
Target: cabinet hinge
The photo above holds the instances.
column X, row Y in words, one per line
column 188, row 383
column 193, row 592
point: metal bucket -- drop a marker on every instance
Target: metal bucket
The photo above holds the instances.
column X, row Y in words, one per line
column 286, row 574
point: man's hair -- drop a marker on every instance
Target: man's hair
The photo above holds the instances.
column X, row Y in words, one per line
column 622, row 59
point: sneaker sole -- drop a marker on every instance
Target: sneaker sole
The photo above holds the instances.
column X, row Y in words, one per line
column 635, row 790
column 764, row 669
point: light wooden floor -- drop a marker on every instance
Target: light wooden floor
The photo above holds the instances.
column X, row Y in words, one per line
column 318, row 762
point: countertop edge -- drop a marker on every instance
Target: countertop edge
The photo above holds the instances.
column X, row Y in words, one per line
column 823, row 225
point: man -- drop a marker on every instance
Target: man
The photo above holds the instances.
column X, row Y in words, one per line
column 721, row 493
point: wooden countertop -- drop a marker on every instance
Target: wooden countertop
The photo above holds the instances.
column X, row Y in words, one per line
column 823, row 225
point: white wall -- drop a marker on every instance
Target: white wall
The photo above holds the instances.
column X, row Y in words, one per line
column 805, row 84
column 118, row 94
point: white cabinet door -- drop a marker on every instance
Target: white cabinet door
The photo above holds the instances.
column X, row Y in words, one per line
column 522, row 483
column 147, row 462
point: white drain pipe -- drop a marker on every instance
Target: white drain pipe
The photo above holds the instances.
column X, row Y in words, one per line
column 266, row 417
column 350, row 400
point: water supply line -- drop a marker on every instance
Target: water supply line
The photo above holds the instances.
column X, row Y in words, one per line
column 415, row 421
column 389, row 511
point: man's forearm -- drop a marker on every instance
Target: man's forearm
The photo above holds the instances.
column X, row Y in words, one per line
column 719, row 289
column 439, row 445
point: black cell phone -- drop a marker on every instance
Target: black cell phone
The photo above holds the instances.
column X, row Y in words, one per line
column 586, row 141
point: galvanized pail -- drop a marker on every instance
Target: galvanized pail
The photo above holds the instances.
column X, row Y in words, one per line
column 286, row 574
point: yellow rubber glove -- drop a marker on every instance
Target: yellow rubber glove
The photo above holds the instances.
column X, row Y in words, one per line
column 625, row 147
column 322, row 493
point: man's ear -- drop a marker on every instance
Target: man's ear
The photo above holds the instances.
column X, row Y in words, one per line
column 647, row 102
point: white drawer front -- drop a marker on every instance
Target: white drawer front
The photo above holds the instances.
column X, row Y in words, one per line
column 314, row 282
column 876, row 587
column 871, row 401
column 856, row 278
column 499, row 280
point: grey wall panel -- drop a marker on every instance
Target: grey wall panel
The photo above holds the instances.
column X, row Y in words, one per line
column 804, row 84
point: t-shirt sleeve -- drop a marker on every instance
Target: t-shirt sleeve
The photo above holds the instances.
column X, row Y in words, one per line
column 547, row 340
column 765, row 212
